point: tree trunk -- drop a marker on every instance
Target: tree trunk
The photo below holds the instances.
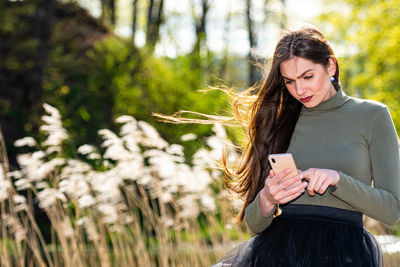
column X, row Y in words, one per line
column 108, row 12
column 113, row 17
column 252, row 43
column 200, row 24
column 21, row 87
column 224, row 61
column 104, row 10
column 42, row 32
column 154, row 21
column 134, row 20
column 283, row 21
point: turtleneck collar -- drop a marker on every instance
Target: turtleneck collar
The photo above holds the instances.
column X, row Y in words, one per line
column 333, row 102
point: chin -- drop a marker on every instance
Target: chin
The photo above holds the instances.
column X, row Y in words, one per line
column 309, row 105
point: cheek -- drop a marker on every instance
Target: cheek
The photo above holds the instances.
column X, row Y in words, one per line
column 291, row 90
column 317, row 84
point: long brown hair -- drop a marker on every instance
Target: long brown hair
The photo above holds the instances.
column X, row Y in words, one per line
column 275, row 112
column 268, row 116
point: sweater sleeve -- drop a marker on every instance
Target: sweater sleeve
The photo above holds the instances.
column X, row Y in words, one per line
column 255, row 220
column 380, row 202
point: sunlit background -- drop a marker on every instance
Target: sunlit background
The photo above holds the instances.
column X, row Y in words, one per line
column 178, row 37
column 89, row 177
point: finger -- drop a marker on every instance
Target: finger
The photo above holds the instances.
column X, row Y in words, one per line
column 288, row 183
column 270, row 176
column 319, row 183
column 269, row 182
column 285, row 193
column 294, row 184
column 290, row 198
column 311, row 183
column 290, row 175
column 277, row 190
column 324, row 186
column 301, row 187
column 306, row 174
column 278, row 177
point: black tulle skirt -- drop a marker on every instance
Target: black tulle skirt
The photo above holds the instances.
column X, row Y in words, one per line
column 308, row 235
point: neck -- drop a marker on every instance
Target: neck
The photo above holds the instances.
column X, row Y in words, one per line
column 334, row 100
column 332, row 91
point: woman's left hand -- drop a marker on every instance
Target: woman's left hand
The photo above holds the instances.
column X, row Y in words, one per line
column 320, row 179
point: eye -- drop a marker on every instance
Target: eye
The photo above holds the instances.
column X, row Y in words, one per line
column 308, row 77
column 288, row 81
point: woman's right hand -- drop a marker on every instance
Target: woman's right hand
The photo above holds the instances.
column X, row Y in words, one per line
column 278, row 189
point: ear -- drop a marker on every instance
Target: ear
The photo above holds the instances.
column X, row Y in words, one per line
column 331, row 66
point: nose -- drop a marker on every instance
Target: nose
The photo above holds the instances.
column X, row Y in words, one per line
column 300, row 90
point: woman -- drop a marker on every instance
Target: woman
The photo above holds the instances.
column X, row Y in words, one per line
column 340, row 145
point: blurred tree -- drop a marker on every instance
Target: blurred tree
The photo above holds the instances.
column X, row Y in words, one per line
column 37, row 53
column 134, row 19
column 283, row 16
column 154, row 21
column 42, row 32
column 200, row 56
column 367, row 35
column 92, row 76
column 108, row 11
column 143, row 84
column 200, row 26
column 225, row 56
column 252, row 43
column 25, row 32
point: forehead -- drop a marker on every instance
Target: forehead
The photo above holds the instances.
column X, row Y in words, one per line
column 296, row 66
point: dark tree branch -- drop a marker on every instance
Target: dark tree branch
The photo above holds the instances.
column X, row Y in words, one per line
column 134, row 20
column 200, row 24
column 224, row 63
column 252, row 43
column 154, row 21
column 149, row 17
column 108, row 12
column 113, row 17
column 104, row 10
column 42, row 31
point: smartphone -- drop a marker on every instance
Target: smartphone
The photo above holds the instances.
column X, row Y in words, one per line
column 280, row 162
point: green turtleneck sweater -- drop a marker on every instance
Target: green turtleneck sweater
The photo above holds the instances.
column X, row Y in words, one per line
column 357, row 138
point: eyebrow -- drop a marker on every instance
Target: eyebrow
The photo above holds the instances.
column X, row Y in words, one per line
column 300, row 75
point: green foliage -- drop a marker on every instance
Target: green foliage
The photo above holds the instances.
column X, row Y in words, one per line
column 92, row 77
column 18, row 60
column 115, row 79
column 368, row 32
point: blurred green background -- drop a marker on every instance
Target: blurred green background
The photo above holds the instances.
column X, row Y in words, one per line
column 95, row 60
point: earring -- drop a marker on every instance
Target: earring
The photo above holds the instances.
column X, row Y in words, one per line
column 332, row 79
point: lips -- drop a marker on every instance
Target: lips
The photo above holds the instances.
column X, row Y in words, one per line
column 306, row 99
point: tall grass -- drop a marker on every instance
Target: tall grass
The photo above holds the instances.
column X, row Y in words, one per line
column 132, row 202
